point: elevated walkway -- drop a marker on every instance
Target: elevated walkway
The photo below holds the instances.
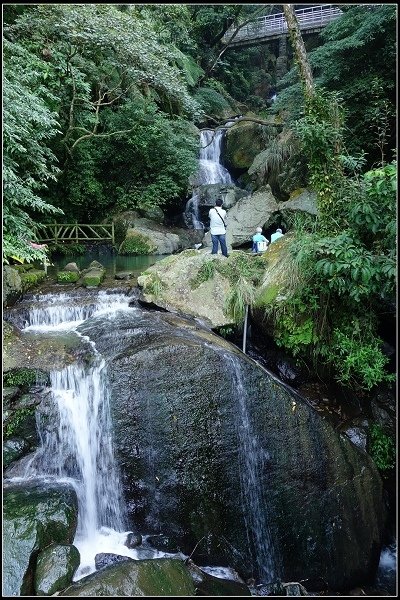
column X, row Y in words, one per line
column 264, row 29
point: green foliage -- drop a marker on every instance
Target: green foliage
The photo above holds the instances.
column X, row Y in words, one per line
column 242, row 294
column 16, row 419
column 211, row 101
column 31, row 279
column 69, row 249
column 364, row 35
column 360, row 361
column 28, row 164
column 206, row 272
column 350, row 270
column 226, row 331
column 23, row 378
column 382, row 449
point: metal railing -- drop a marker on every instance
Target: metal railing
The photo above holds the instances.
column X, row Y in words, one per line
column 311, row 18
column 74, row 232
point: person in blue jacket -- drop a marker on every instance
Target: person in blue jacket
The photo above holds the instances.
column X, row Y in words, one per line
column 258, row 237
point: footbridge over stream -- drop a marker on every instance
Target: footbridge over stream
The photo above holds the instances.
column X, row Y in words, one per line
column 263, row 29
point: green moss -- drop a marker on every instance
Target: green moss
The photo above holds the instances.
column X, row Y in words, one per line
column 14, row 423
column 67, row 277
column 206, row 272
column 23, row 378
column 31, row 278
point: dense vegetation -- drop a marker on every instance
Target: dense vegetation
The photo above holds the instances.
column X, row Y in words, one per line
column 99, row 107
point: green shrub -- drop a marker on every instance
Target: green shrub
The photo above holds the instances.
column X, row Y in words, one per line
column 382, row 449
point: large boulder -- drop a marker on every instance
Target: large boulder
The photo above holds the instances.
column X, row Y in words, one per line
column 168, row 285
column 232, row 463
column 158, row 577
column 242, row 143
column 12, row 285
column 35, row 515
column 55, row 568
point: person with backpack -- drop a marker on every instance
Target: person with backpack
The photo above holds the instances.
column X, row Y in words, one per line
column 260, row 242
column 217, row 217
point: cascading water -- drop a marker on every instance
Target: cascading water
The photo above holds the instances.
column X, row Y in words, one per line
column 210, row 171
column 252, row 460
column 79, row 448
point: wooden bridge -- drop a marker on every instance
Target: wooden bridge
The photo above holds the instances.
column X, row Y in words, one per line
column 74, row 232
column 263, row 29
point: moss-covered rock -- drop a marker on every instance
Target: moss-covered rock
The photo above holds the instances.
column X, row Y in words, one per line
column 13, row 449
column 93, row 278
column 32, row 278
column 12, row 285
column 242, row 144
column 156, row 577
column 67, row 276
column 34, row 516
column 55, row 568
column 136, row 243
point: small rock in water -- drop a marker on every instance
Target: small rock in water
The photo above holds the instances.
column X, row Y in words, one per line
column 132, row 540
column 105, row 559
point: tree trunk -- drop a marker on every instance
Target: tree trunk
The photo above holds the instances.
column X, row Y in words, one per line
column 299, row 49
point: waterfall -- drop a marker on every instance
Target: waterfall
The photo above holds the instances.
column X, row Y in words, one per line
column 210, row 171
column 252, row 461
column 64, row 311
column 76, row 446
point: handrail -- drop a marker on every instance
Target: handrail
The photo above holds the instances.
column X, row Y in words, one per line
column 275, row 24
column 55, row 232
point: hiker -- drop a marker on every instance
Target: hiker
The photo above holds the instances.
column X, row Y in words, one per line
column 260, row 242
column 275, row 236
column 218, row 228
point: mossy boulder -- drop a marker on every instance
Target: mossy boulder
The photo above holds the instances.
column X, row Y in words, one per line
column 35, row 515
column 93, row 275
column 67, row 276
column 136, row 243
column 32, row 278
column 55, row 568
column 12, row 285
column 242, row 143
column 149, row 577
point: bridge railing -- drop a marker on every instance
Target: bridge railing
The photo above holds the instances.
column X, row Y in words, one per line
column 270, row 25
column 74, row 232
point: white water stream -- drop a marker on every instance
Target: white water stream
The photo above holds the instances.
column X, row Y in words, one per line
column 252, row 459
column 80, row 450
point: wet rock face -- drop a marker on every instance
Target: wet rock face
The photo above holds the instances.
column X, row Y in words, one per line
column 35, row 515
column 158, row 577
column 180, row 396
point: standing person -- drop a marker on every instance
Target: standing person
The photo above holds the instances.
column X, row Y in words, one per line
column 258, row 237
column 218, row 228
column 275, row 236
